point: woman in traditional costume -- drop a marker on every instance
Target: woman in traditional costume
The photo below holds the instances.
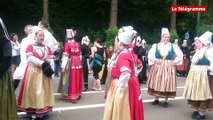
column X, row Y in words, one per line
column 72, row 74
column 163, row 58
column 15, row 52
column 7, row 95
column 145, row 61
column 183, row 69
column 141, row 52
column 86, row 52
column 124, row 101
column 36, row 92
column 113, row 55
column 199, row 82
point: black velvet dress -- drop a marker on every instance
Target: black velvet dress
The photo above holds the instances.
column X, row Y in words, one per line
column 141, row 53
column 86, row 51
column 7, row 94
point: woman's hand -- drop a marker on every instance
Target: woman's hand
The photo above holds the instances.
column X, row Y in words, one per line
column 62, row 70
column 47, row 60
column 140, row 97
column 54, row 57
column 158, row 61
column 173, row 63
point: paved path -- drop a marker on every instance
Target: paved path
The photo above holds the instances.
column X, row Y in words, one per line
column 91, row 106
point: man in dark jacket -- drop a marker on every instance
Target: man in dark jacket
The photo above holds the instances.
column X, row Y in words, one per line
column 86, row 51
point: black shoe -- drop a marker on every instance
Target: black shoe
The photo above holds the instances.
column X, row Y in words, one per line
column 73, row 101
column 144, row 82
column 155, row 102
column 165, row 104
column 195, row 113
column 199, row 117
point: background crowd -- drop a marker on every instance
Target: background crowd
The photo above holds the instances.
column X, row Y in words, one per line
column 38, row 58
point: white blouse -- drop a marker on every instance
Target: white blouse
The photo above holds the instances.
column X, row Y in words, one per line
column 15, row 48
column 208, row 54
column 165, row 48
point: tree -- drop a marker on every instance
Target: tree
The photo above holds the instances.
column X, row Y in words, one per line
column 206, row 24
column 45, row 11
column 173, row 17
column 113, row 13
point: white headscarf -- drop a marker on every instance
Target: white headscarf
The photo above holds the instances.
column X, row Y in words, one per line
column 85, row 40
column 206, row 38
column 138, row 41
column 69, row 33
column 35, row 29
column 164, row 31
column 126, row 37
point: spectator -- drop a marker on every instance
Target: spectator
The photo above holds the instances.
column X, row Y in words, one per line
column 98, row 56
column 58, row 56
column 19, row 72
column 15, row 52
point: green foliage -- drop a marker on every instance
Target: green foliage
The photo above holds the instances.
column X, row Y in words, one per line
column 147, row 17
column 206, row 27
column 99, row 34
column 61, row 45
column 151, row 37
column 206, row 24
column 91, row 17
column 110, row 35
column 173, row 35
column 92, row 34
column 50, row 30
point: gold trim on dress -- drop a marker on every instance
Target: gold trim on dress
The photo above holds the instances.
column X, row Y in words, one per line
column 202, row 53
column 160, row 51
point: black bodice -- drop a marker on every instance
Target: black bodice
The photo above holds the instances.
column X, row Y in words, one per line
column 5, row 55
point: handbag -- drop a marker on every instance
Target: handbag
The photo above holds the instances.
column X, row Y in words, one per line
column 47, row 69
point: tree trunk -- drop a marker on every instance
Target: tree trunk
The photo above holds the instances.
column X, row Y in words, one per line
column 113, row 13
column 173, row 17
column 45, row 11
